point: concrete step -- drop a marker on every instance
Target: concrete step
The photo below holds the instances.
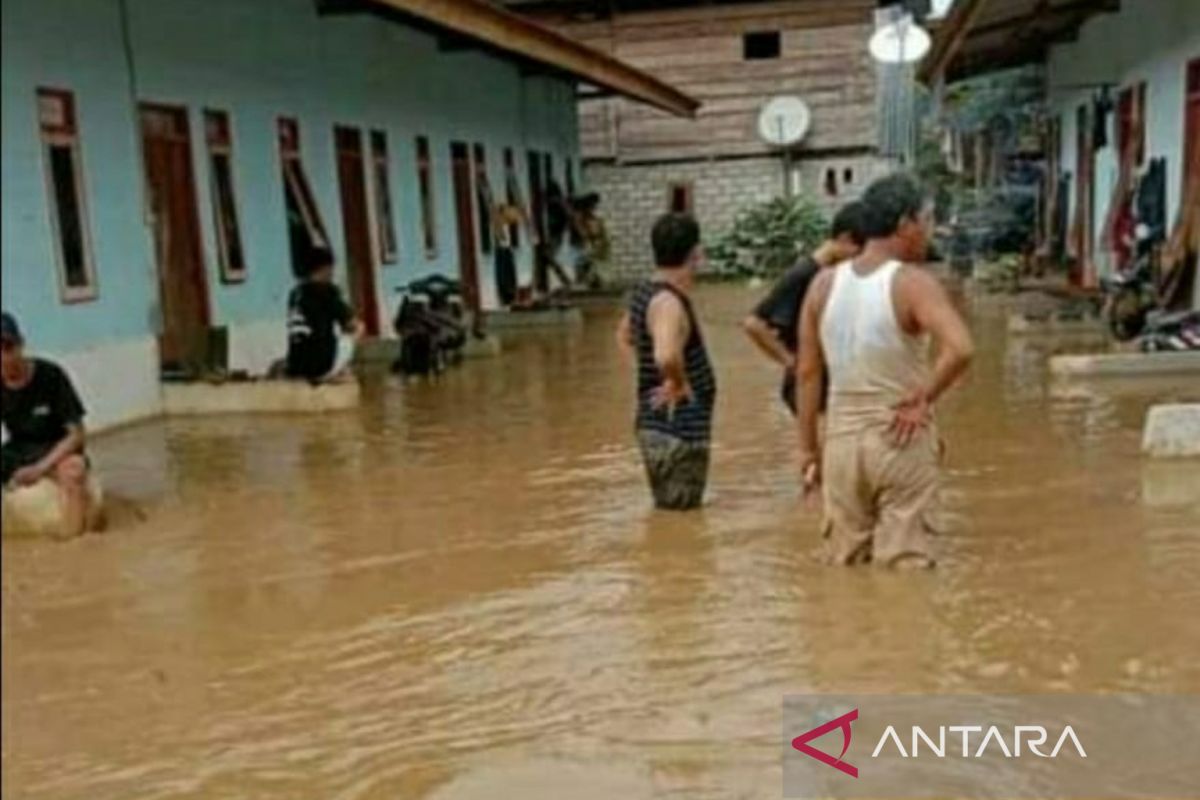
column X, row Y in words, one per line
column 1022, row 325
column 1172, row 431
column 264, row 396
column 1127, row 364
column 542, row 318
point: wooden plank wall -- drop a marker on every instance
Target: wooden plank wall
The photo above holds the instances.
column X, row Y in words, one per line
column 824, row 60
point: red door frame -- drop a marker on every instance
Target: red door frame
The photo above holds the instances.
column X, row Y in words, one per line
column 356, row 224
column 464, row 207
column 181, row 207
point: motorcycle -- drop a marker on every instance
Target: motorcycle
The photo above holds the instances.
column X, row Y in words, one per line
column 1131, row 311
column 1129, row 298
column 431, row 322
column 1171, row 332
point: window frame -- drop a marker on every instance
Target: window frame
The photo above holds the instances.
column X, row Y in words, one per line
column 66, row 134
column 295, row 181
column 426, row 198
column 214, row 148
column 761, row 38
column 684, row 189
column 383, row 199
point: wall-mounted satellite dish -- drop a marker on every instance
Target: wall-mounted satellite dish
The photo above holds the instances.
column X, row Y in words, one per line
column 900, row 42
column 784, row 121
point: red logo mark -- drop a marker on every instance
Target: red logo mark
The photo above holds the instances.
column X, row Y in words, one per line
column 801, row 743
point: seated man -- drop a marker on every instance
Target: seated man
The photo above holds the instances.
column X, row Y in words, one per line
column 316, row 313
column 43, row 422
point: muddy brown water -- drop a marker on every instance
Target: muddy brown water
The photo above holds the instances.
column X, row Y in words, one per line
column 460, row 592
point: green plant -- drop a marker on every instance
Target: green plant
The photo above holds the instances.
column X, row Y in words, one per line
column 767, row 238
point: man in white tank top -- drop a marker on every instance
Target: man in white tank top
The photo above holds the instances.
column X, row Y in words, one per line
column 870, row 322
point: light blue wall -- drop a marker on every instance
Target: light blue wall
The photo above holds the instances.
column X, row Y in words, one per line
column 257, row 60
column 44, row 45
column 1150, row 41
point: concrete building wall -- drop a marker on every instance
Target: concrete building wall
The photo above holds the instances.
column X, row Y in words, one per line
column 1150, row 41
column 257, row 61
column 634, row 195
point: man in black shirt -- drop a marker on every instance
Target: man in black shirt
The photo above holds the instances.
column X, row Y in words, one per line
column 774, row 324
column 43, row 426
column 316, row 313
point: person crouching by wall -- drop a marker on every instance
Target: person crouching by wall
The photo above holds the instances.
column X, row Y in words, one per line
column 43, row 425
column 322, row 328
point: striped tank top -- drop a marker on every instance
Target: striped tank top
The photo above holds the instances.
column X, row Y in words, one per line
column 692, row 419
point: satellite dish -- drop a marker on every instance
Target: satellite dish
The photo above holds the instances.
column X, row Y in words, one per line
column 900, row 42
column 784, row 121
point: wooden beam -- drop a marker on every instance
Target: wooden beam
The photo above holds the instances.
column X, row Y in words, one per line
column 516, row 35
column 949, row 37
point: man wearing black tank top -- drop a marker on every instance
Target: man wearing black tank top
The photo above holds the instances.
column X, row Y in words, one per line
column 675, row 381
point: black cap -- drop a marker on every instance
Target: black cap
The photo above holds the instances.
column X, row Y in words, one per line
column 10, row 331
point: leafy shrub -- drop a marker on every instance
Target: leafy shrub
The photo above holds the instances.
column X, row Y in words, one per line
column 767, row 238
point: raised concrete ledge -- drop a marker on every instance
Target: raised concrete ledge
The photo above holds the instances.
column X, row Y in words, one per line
column 1022, row 325
column 386, row 351
column 1127, row 364
column 541, row 318
column 265, row 396
column 1172, row 431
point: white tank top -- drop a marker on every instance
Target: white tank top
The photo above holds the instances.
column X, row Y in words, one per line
column 872, row 361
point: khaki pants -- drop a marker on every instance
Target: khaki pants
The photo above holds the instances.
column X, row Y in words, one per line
column 878, row 498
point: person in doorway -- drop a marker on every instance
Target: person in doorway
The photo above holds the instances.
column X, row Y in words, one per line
column 317, row 313
column 595, row 244
column 676, row 386
column 44, row 435
column 868, row 322
column 774, row 324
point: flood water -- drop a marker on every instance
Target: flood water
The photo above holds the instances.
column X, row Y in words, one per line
column 460, row 591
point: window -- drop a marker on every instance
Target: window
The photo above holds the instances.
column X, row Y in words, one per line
column 225, row 212
column 831, row 188
column 305, row 228
column 512, row 191
column 382, row 186
column 847, row 176
column 761, row 45
column 425, row 187
column 64, row 185
column 680, row 198
column 483, row 200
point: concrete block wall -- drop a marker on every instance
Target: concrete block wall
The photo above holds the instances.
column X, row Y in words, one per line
column 634, row 195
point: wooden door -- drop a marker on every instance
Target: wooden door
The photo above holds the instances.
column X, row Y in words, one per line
column 356, row 226
column 468, row 266
column 175, row 225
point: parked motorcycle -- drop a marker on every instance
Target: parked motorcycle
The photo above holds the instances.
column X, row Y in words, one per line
column 1129, row 299
column 1171, row 332
column 1132, row 312
column 432, row 324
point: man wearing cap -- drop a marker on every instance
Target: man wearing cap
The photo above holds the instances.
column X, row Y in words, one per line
column 43, row 427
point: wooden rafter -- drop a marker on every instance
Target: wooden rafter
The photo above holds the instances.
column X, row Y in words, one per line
column 950, row 36
column 511, row 33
